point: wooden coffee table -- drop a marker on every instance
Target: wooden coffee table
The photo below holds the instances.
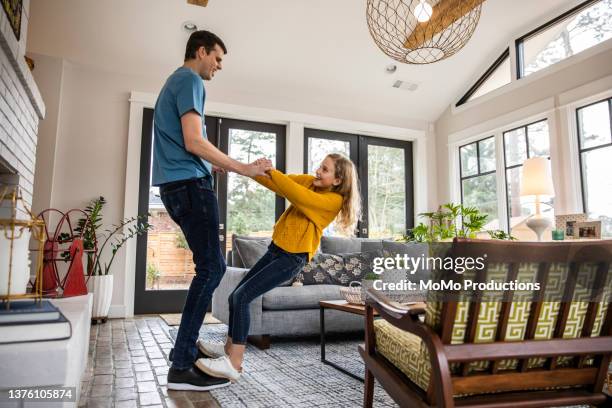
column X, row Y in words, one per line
column 343, row 306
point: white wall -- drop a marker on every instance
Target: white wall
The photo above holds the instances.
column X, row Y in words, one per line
column 87, row 149
column 545, row 94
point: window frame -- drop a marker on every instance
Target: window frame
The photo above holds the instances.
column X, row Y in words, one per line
column 358, row 147
column 514, row 166
column 518, row 43
column 499, row 61
column 478, row 172
column 581, row 150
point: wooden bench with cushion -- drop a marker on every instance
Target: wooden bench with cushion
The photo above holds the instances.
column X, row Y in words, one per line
column 510, row 353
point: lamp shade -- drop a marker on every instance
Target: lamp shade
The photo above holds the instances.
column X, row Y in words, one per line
column 537, row 178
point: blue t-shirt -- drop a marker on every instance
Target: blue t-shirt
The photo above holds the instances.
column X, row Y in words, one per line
column 182, row 92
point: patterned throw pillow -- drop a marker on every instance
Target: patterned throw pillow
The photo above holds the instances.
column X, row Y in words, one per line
column 357, row 266
column 320, row 270
column 342, row 269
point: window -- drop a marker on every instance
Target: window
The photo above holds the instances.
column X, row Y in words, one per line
column 478, row 182
column 519, row 145
column 495, row 77
column 250, row 206
column 384, row 167
column 572, row 32
column 595, row 147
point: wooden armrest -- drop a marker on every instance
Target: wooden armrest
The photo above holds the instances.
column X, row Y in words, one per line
column 395, row 308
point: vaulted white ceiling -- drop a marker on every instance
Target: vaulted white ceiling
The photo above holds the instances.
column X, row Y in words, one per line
column 311, row 56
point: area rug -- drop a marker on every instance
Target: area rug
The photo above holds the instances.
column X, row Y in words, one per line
column 290, row 374
column 174, row 319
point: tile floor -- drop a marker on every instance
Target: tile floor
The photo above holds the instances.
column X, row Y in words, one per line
column 127, row 367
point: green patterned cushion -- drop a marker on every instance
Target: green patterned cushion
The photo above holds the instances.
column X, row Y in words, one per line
column 404, row 350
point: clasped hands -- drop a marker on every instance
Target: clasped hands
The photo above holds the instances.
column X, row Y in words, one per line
column 262, row 167
column 259, row 167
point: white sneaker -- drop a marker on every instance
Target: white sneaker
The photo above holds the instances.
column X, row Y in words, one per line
column 218, row 367
column 212, row 350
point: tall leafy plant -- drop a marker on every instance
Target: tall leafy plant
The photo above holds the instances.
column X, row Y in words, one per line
column 450, row 221
column 115, row 237
column 112, row 238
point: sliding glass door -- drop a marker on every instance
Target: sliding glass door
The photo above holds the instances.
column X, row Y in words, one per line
column 385, row 172
column 386, row 169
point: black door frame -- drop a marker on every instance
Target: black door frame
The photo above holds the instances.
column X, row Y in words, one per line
column 359, row 154
column 173, row 300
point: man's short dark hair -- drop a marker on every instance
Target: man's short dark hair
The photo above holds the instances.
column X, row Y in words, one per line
column 202, row 38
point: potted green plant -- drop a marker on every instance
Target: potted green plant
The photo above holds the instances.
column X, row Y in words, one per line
column 452, row 221
column 100, row 260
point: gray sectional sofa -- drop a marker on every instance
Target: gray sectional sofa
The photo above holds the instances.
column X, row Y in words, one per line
column 288, row 310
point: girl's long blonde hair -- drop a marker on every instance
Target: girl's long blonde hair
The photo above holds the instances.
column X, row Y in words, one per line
column 350, row 213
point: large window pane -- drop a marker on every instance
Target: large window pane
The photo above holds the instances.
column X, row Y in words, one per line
column 478, row 185
column 539, row 142
column 250, row 206
column 594, row 125
column 520, row 144
column 481, row 192
column 596, row 171
column 469, row 160
column 487, row 154
column 516, row 147
column 568, row 37
column 319, row 148
column 386, row 192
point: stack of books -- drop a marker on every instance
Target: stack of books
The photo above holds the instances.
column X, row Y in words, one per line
column 29, row 320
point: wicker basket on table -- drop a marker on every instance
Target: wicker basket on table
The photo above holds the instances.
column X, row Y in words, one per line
column 352, row 293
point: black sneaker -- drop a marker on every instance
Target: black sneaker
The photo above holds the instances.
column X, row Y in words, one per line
column 200, row 355
column 193, row 379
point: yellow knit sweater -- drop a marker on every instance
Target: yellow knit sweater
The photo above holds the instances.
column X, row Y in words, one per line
column 300, row 227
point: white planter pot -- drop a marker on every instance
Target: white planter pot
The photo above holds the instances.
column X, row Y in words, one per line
column 102, row 289
column 20, row 271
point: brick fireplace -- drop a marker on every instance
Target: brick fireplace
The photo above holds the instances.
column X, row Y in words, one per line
column 21, row 109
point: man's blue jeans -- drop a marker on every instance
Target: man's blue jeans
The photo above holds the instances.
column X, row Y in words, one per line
column 192, row 204
column 272, row 269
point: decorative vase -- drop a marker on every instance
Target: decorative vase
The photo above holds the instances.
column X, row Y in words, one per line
column 20, row 268
column 102, row 288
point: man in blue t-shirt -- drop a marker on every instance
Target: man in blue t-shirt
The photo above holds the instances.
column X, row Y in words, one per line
column 183, row 161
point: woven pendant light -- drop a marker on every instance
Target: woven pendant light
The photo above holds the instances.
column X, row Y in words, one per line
column 422, row 31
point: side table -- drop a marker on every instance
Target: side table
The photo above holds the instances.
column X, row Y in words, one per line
column 343, row 306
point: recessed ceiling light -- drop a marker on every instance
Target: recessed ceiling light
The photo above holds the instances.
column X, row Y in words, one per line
column 391, row 68
column 190, row 26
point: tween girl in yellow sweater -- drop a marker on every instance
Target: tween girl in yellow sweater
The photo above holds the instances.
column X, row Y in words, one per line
column 315, row 203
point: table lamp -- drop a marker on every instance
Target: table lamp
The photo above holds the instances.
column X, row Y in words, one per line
column 537, row 181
